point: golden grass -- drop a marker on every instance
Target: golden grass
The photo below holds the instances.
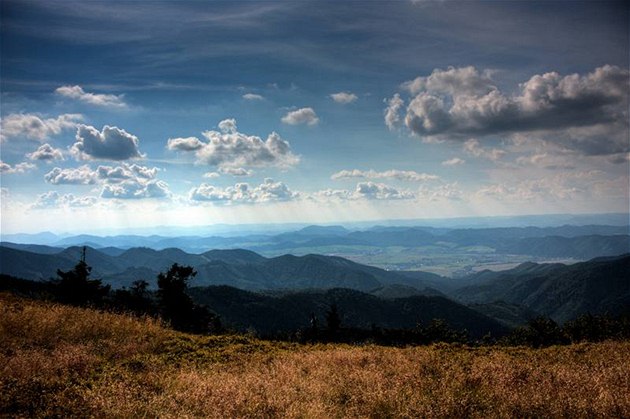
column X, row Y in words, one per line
column 62, row 361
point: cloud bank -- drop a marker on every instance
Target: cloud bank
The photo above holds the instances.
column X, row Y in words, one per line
column 585, row 113
column 405, row 175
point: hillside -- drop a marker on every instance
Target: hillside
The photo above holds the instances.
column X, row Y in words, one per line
column 561, row 292
column 58, row 361
column 269, row 314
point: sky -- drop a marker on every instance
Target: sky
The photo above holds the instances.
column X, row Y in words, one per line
column 156, row 113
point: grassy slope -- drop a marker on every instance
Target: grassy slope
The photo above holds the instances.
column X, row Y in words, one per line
column 63, row 361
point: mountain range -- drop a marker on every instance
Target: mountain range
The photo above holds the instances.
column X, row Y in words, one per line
column 238, row 268
column 560, row 291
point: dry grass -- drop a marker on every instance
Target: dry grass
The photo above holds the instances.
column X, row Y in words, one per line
column 61, row 361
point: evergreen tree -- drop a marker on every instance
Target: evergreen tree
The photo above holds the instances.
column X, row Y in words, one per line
column 76, row 287
column 333, row 319
column 177, row 307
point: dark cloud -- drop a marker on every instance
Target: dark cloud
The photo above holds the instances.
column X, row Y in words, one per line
column 588, row 113
column 112, row 143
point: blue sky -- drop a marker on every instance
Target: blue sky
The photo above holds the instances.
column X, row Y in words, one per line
column 146, row 113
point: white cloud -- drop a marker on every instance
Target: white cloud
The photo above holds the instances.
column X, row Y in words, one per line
column 34, row 127
column 125, row 172
column 392, row 112
column 546, row 161
column 98, row 99
column 344, row 97
column 364, row 190
column 78, row 176
column 53, row 199
column 371, row 190
column 268, row 191
column 301, row 116
column 455, row 161
column 565, row 186
column 447, row 191
column 252, row 96
column 586, row 113
column 112, row 143
column 136, row 189
column 211, row 175
column 23, row 167
column 473, row 148
column 184, row 144
column 232, row 149
column 405, row 175
column 46, row 152
column 235, row 171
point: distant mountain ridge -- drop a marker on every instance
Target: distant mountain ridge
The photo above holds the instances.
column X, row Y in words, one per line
column 580, row 242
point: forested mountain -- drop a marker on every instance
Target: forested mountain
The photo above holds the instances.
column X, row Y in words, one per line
column 559, row 291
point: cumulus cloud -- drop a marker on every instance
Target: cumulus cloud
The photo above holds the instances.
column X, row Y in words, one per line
column 211, row 175
column 136, row 189
column 71, row 176
column 34, row 127
column 46, row 152
column 301, row 116
column 125, row 172
column 392, row 111
column 372, row 190
column 53, row 199
column 406, row 175
column 184, row 144
column 587, row 113
column 473, row 148
column 344, row 97
column 252, row 96
column 364, row 190
column 455, row 161
column 230, row 149
column 104, row 100
column 112, row 143
column 268, row 191
column 23, row 167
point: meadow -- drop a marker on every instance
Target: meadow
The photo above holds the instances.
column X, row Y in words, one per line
column 65, row 361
